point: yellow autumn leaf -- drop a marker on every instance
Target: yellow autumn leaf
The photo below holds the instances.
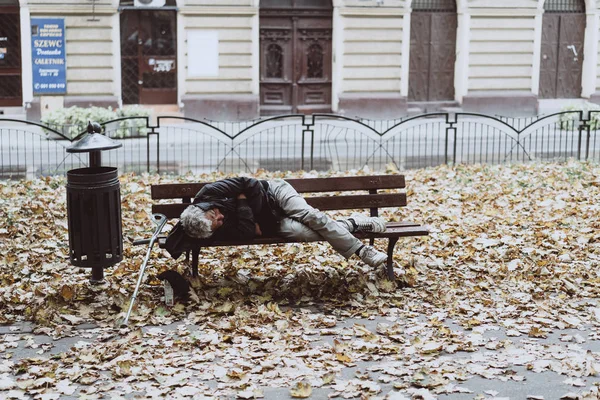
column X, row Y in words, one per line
column 536, row 332
column 67, row 292
column 301, row 390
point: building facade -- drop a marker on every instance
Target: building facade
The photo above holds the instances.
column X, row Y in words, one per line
column 239, row 59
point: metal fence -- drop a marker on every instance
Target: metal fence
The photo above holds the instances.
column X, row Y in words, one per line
column 293, row 142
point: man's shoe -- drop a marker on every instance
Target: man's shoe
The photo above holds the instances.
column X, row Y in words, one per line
column 373, row 257
column 368, row 224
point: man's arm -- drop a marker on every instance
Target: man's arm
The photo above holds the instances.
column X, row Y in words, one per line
column 245, row 227
column 232, row 188
column 229, row 188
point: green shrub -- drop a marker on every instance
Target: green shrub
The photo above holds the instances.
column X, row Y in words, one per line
column 132, row 127
column 566, row 120
column 74, row 120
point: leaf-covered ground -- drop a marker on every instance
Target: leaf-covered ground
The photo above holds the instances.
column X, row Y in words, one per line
column 515, row 247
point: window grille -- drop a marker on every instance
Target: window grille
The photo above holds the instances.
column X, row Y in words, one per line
column 325, row 4
column 130, row 3
column 434, row 5
column 564, row 6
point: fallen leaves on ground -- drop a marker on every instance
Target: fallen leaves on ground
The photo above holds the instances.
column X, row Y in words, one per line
column 512, row 247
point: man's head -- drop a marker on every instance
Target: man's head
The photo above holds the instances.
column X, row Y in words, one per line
column 199, row 223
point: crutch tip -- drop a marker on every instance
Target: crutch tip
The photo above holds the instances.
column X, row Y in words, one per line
column 121, row 323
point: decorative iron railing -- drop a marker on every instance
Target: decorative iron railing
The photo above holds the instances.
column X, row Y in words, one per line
column 294, row 142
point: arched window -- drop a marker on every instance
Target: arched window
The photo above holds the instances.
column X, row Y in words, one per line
column 274, row 61
column 315, row 61
column 564, row 6
column 434, row 5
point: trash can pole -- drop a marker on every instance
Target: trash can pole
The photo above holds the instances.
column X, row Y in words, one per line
column 159, row 220
column 95, row 160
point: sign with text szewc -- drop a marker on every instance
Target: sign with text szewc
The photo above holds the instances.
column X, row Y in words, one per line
column 48, row 56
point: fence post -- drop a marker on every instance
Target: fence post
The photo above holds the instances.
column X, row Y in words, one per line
column 450, row 127
column 148, row 152
column 157, row 150
column 580, row 127
column 587, row 125
column 308, row 128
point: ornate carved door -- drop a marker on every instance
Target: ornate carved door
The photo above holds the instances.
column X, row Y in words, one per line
column 432, row 50
column 561, row 65
column 149, row 57
column 10, row 56
column 295, row 56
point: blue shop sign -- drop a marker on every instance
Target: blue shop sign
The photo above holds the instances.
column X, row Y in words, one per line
column 48, row 55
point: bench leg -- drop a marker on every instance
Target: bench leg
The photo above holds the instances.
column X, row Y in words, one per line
column 195, row 254
column 390, row 262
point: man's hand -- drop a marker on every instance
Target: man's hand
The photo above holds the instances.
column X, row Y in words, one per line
column 257, row 229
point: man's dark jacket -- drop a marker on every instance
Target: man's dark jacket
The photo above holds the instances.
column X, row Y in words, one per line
column 240, row 215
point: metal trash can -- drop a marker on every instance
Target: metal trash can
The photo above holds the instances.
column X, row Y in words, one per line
column 94, row 214
column 94, row 207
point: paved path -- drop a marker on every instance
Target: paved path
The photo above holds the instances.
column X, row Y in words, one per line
column 511, row 367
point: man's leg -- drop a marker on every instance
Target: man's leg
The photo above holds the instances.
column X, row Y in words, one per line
column 297, row 209
column 359, row 222
column 291, row 228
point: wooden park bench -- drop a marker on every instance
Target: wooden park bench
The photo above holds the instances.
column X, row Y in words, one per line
column 372, row 199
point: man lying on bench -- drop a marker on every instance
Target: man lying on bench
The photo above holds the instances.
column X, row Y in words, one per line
column 243, row 208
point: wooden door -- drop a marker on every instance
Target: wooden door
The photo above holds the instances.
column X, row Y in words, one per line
column 276, row 66
column 149, row 56
column 313, row 65
column 295, row 58
column 432, row 55
column 10, row 57
column 561, row 63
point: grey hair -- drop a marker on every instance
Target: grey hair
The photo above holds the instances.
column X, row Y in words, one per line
column 194, row 222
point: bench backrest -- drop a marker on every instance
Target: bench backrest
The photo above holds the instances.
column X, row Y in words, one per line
column 185, row 192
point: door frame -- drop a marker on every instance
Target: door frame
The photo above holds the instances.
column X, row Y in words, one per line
column 178, row 54
column 18, row 101
column 461, row 58
column 590, row 49
column 295, row 14
column 463, row 42
column 585, row 62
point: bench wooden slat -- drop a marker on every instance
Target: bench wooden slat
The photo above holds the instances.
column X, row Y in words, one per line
column 312, row 185
column 322, row 203
column 392, row 232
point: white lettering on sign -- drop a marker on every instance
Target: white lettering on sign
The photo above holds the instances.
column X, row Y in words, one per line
column 48, row 72
column 163, row 65
column 48, row 61
column 47, row 43
column 55, row 52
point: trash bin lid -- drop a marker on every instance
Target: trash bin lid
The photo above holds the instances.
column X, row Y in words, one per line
column 93, row 140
